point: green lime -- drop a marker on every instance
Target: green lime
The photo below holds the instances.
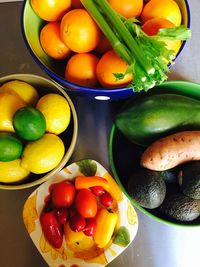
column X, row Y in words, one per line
column 10, row 147
column 29, row 123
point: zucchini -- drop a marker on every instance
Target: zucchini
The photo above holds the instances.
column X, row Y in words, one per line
column 146, row 119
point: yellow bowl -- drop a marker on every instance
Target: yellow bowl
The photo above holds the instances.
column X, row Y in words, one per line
column 69, row 136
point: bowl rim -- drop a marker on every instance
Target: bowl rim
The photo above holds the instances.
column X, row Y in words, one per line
column 66, row 84
column 116, row 175
column 72, row 145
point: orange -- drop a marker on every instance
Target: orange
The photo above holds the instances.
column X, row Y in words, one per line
column 109, row 64
column 167, row 9
column 81, row 69
column 79, row 31
column 103, row 46
column 152, row 26
column 76, row 4
column 127, row 8
column 51, row 41
column 51, row 10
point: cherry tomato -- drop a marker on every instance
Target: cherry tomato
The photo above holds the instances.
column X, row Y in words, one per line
column 86, row 203
column 77, row 222
column 62, row 215
column 106, row 200
column 97, row 190
column 51, row 228
column 63, row 194
column 90, row 226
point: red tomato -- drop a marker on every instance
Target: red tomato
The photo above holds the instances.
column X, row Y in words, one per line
column 62, row 215
column 77, row 223
column 86, row 203
column 89, row 227
column 63, row 194
column 97, row 190
column 106, row 200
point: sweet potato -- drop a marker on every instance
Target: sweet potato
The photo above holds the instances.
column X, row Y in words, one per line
column 172, row 150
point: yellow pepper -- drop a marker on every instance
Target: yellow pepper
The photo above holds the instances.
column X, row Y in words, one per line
column 105, row 226
column 72, row 237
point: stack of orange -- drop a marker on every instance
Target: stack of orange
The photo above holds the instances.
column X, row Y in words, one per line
column 71, row 34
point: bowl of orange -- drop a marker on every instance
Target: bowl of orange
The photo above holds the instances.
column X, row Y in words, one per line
column 73, row 49
column 38, row 130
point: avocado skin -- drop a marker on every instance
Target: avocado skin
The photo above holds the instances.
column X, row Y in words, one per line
column 189, row 179
column 147, row 188
column 181, row 207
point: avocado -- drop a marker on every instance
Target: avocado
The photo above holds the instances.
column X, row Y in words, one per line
column 170, row 176
column 189, row 179
column 181, row 207
column 147, row 187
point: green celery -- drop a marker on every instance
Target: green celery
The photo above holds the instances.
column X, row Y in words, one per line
column 117, row 45
column 126, row 36
column 147, row 56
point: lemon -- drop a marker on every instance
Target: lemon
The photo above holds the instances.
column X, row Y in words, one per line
column 9, row 104
column 56, row 111
column 29, row 123
column 26, row 91
column 10, row 147
column 44, row 154
column 12, row 171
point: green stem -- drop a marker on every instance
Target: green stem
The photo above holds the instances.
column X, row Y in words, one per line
column 117, row 45
column 125, row 35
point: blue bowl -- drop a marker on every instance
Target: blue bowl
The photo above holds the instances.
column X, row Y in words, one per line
column 31, row 25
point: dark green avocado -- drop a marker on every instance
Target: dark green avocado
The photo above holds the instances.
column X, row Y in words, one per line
column 181, row 207
column 189, row 179
column 147, row 188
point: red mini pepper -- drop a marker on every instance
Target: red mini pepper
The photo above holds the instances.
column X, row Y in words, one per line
column 51, row 228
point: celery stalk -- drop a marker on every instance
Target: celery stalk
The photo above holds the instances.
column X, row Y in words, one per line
column 126, row 36
column 147, row 56
column 119, row 47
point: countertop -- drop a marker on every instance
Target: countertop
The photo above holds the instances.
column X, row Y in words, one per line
column 156, row 244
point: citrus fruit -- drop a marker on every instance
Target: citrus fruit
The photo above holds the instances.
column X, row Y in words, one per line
column 79, row 31
column 25, row 90
column 10, row 147
column 127, row 8
column 152, row 26
column 56, row 111
column 29, row 123
column 109, row 64
column 167, row 9
column 44, row 154
column 87, row 63
column 103, row 46
column 76, row 4
column 51, row 41
column 12, row 171
column 9, row 103
column 51, row 10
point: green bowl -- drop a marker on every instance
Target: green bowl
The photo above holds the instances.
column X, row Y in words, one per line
column 123, row 153
column 69, row 136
